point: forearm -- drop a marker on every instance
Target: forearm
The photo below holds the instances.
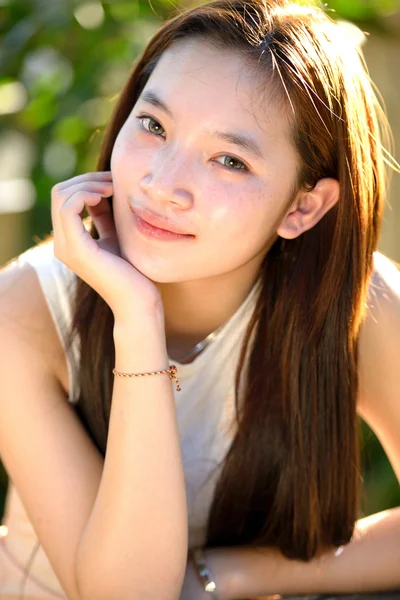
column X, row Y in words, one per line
column 138, row 525
column 370, row 562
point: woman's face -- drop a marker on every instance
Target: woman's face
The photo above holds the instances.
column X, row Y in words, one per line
column 203, row 151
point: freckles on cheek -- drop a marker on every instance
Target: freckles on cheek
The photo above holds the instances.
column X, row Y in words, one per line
column 233, row 211
column 256, row 212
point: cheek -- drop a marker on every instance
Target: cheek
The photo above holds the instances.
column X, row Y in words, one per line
column 238, row 211
column 248, row 217
column 127, row 153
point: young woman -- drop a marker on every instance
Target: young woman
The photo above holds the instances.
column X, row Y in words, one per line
column 228, row 268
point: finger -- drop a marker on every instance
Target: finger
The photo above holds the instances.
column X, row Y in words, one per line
column 92, row 176
column 60, row 197
column 72, row 228
column 102, row 218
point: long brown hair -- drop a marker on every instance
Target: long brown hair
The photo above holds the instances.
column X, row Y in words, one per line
column 296, row 439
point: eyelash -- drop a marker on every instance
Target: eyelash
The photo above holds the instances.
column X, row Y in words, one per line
column 142, row 118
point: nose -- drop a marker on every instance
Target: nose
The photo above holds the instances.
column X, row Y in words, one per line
column 167, row 181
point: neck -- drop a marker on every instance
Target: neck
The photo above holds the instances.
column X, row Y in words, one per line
column 193, row 309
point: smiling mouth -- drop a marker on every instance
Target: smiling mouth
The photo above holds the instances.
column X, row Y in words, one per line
column 158, row 233
column 158, row 222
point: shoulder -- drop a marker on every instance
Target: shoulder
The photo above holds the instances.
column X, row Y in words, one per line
column 385, row 280
column 379, row 341
column 381, row 328
column 379, row 351
column 24, row 312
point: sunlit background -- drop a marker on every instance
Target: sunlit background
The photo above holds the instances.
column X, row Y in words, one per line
column 62, row 66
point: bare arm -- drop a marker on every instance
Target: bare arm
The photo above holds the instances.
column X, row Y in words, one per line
column 105, row 530
column 138, row 526
column 371, row 561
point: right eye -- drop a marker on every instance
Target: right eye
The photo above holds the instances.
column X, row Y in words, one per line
column 151, row 125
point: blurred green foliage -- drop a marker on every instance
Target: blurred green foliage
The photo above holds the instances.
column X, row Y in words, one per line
column 364, row 10
column 62, row 65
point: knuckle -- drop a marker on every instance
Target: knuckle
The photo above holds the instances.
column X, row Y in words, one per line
column 79, row 194
column 56, row 188
column 70, row 201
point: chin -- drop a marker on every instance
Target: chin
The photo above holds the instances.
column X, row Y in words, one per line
column 152, row 268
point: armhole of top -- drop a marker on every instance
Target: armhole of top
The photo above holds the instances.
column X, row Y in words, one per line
column 58, row 284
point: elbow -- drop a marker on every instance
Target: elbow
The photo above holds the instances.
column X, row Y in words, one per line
column 150, row 569
column 112, row 583
column 139, row 590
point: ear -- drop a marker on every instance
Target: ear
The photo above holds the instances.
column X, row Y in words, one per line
column 309, row 207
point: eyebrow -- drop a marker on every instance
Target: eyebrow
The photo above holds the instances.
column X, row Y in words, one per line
column 238, row 139
column 152, row 98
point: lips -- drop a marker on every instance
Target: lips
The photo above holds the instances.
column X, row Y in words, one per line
column 159, row 222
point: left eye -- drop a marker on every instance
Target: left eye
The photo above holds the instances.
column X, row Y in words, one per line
column 151, row 125
column 232, row 163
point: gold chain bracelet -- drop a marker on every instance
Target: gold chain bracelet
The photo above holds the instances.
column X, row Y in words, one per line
column 172, row 371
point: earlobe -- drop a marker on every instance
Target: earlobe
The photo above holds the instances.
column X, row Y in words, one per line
column 309, row 208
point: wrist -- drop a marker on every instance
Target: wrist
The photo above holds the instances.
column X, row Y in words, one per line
column 134, row 318
column 143, row 326
column 216, row 563
column 140, row 346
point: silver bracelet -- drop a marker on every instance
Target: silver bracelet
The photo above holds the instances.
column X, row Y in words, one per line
column 204, row 573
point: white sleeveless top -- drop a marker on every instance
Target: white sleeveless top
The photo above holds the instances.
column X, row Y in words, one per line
column 204, row 408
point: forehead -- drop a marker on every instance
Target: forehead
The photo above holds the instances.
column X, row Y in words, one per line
column 194, row 77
